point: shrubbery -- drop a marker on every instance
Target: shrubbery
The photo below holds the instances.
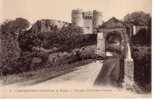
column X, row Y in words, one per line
column 65, row 39
column 69, row 40
column 9, row 31
column 142, row 63
column 26, row 61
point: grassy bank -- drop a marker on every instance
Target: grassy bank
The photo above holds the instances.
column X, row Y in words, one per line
column 43, row 74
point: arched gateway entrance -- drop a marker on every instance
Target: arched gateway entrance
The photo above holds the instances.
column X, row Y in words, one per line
column 113, row 42
column 114, row 35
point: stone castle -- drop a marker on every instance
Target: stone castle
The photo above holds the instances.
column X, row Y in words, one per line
column 89, row 21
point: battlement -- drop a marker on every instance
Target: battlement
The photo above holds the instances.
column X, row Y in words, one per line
column 88, row 15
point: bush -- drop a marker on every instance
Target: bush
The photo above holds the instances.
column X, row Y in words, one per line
column 68, row 40
column 65, row 39
column 142, row 63
column 19, row 65
column 26, row 61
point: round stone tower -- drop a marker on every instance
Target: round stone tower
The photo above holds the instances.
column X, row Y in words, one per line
column 77, row 18
column 97, row 20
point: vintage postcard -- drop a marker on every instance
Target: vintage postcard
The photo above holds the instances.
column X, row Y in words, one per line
column 75, row 48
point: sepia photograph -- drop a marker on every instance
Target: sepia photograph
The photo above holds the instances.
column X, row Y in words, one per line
column 75, row 48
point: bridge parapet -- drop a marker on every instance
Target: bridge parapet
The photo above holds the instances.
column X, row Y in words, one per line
column 100, row 50
column 128, row 69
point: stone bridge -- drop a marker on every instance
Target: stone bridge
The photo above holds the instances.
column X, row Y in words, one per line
column 119, row 35
column 128, row 81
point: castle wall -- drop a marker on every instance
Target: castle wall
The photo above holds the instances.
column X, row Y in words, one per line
column 88, row 22
column 88, row 28
column 77, row 18
column 47, row 25
column 97, row 20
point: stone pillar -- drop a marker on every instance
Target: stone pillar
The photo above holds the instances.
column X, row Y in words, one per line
column 100, row 51
column 128, row 70
column 134, row 30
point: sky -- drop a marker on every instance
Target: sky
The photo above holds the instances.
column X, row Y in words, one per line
column 61, row 9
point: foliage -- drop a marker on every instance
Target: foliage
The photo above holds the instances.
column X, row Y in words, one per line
column 69, row 36
column 19, row 65
column 142, row 62
column 9, row 48
column 137, row 18
column 65, row 39
column 25, row 62
column 140, row 19
column 15, row 26
column 27, row 40
column 9, row 43
column 141, row 38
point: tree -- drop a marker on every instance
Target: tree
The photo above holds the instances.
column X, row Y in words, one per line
column 140, row 19
column 67, row 37
column 70, row 35
column 9, row 40
column 15, row 26
column 149, row 37
column 137, row 18
column 70, row 31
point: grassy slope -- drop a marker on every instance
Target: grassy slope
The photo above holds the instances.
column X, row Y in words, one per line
column 43, row 74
